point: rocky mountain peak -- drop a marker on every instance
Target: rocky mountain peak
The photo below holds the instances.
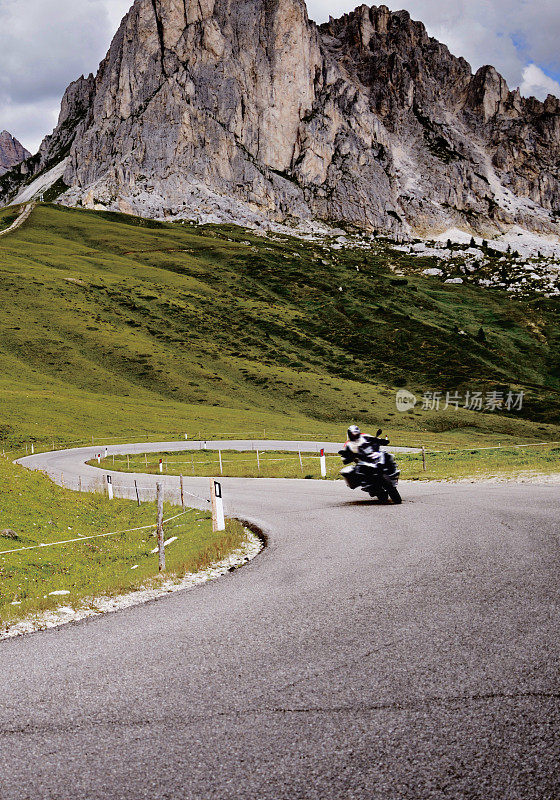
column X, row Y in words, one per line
column 220, row 110
column 12, row 152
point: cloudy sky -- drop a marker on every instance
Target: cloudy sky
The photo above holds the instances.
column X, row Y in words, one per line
column 45, row 44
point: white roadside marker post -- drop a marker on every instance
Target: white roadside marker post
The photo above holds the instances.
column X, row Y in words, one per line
column 32, row 449
column 182, row 493
column 323, row 464
column 99, row 458
column 160, row 534
column 300, row 460
column 424, row 458
column 258, row 461
column 110, row 487
column 161, row 465
column 218, row 518
column 221, row 463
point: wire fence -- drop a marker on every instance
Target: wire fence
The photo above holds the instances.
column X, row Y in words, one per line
column 36, row 446
column 88, row 538
column 70, row 574
column 266, row 464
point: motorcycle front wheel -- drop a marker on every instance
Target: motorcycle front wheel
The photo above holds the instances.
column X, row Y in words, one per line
column 395, row 495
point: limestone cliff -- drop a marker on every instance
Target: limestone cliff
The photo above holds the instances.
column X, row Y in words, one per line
column 12, row 152
column 244, row 109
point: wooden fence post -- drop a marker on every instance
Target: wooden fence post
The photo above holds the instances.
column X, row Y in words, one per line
column 160, row 533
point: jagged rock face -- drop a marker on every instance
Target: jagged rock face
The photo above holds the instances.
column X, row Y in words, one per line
column 12, row 152
column 245, row 108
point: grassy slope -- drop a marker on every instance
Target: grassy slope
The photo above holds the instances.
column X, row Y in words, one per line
column 112, row 325
column 40, row 512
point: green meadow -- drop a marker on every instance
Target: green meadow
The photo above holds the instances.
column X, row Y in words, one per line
column 114, row 328
column 440, row 464
column 91, row 564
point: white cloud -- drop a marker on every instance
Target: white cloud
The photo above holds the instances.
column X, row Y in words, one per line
column 538, row 84
column 44, row 45
column 509, row 34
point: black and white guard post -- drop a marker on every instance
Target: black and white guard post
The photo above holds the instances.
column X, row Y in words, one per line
column 323, row 464
column 218, row 518
column 110, row 487
column 159, row 530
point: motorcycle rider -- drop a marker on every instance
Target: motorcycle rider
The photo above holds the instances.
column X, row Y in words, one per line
column 366, row 451
column 363, row 447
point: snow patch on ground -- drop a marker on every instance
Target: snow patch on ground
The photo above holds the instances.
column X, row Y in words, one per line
column 105, row 605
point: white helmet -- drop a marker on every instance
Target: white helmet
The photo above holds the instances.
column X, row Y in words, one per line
column 354, row 433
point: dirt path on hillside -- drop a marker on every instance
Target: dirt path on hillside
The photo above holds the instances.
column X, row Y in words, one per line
column 25, row 214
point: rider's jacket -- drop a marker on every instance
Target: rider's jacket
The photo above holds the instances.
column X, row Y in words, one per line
column 366, row 448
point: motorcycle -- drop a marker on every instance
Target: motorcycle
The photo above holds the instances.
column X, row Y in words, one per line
column 378, row 475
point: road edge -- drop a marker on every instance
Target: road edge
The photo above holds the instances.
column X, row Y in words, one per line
column 254, row 544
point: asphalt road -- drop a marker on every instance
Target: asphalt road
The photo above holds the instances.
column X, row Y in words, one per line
column 369, row 652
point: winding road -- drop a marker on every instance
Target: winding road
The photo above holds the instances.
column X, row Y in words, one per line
column 369, row 653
